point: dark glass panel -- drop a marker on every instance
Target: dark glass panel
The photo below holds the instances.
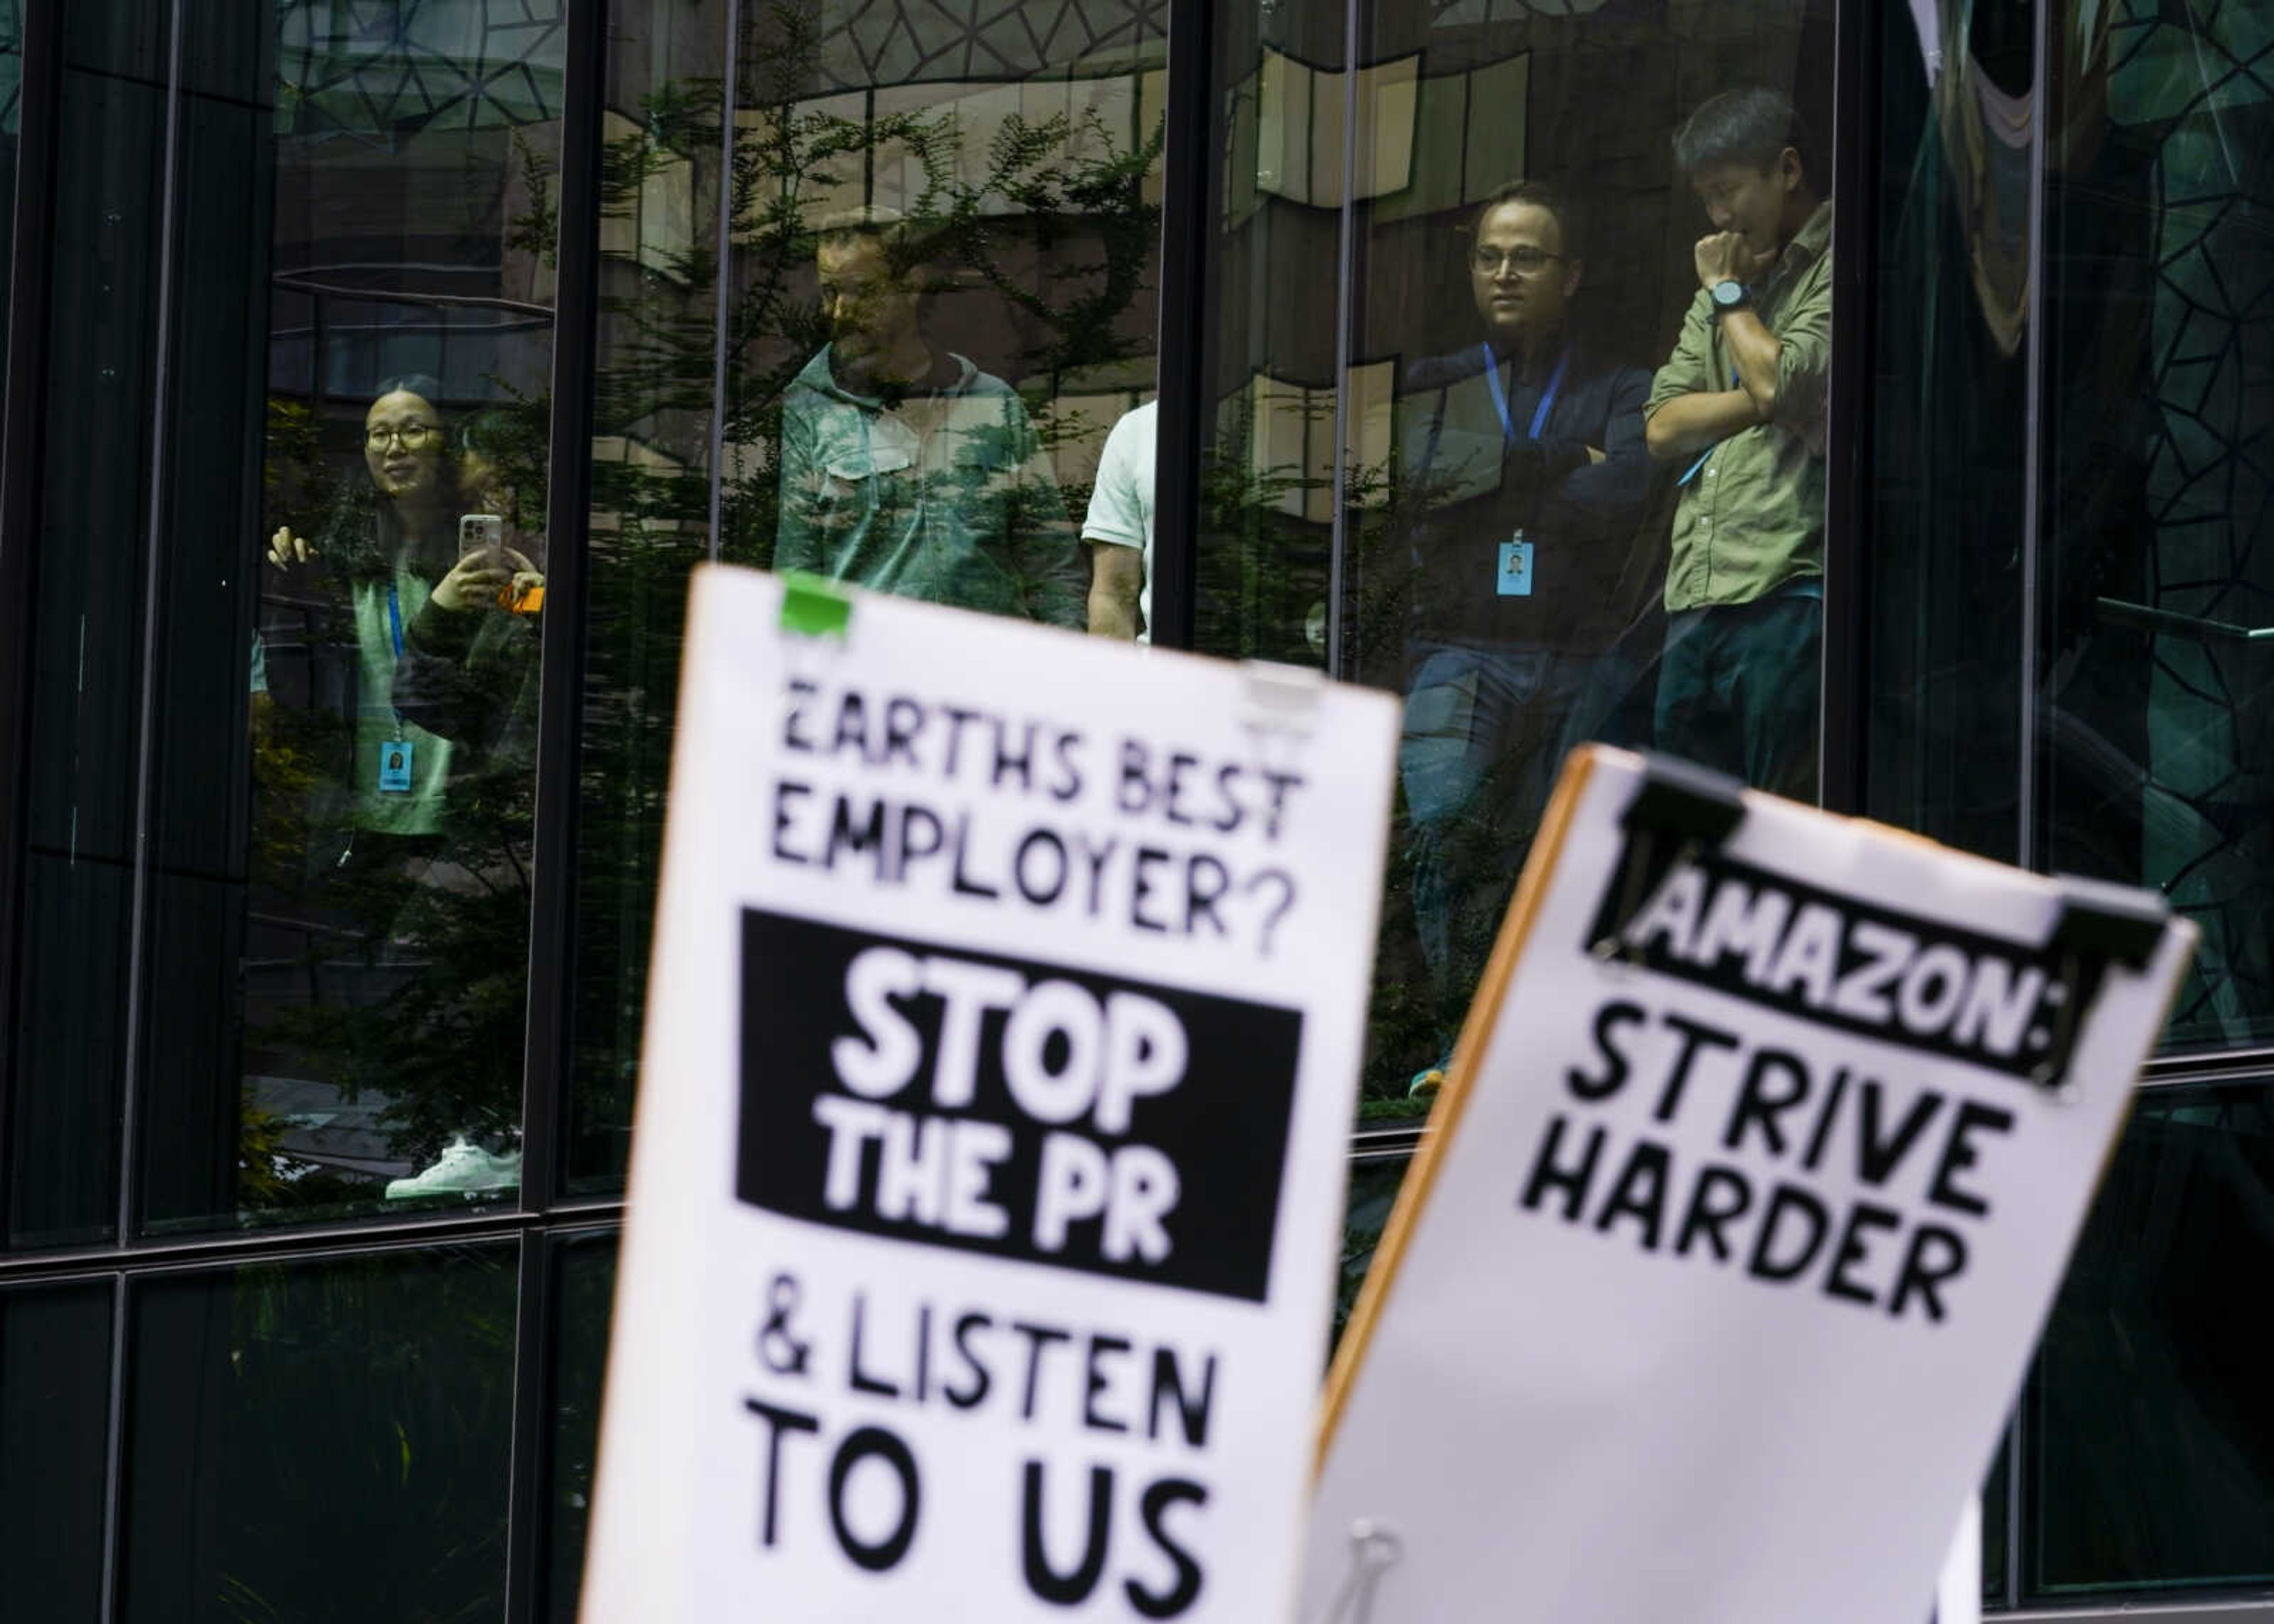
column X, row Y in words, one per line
column 585, row 1287
column 1997, row 1542
column 1949, row 425
column 1372, row 1192
column 653, row 422
column 322, row 1441
column 344, row 769
column 2157, row 690
column 87, row 614
column 2150, row 1447
column 54, row 1423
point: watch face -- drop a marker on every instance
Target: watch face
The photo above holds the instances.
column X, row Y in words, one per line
column 1728, row 294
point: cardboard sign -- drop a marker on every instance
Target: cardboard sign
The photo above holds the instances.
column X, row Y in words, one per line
column 1761, row 1157
column 1002, row 1042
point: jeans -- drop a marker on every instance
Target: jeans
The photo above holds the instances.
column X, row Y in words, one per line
column 1738, row 690
column 1486, row 733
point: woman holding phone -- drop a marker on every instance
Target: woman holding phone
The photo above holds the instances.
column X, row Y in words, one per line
column 425, row 574
column 440, row 613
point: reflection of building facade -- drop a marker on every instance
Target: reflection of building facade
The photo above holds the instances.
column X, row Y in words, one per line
column 255, row 1383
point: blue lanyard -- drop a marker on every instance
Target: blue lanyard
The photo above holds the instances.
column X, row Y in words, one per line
column 394, row 629
column 1500, row 393
column 1737, row 381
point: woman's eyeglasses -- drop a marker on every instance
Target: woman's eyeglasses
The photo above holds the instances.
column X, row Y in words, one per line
column 409, row 436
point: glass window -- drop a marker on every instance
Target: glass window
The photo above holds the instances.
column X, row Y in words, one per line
column 290, row 594
column 87, row 615
column 322, row 1441
column 1552, row 463
column 285, row 639
column 938, row 335
column 585, row 1285
column 653, row 431
column 2158, row 731
column 1949, row 425
column 2151, row 1456
column 54, row 1424
column 1374, row 1184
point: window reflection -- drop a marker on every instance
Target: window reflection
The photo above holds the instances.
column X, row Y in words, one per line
column 2158, row 736
column 1553, row 467
column 937, row 325
column 394, row 669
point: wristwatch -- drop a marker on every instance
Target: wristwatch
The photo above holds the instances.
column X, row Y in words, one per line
column 1729, row 294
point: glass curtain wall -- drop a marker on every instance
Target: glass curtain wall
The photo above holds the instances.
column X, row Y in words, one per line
column 1491, row 420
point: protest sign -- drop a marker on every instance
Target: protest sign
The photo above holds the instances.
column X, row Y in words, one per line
column 1764, row 1148
column 1002, row 1047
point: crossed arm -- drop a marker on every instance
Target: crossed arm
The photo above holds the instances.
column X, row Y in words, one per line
column 1778, row 374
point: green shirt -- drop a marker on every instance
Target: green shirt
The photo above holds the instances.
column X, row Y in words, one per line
column 419, row 809
column 1751, row 519
column 945, row 495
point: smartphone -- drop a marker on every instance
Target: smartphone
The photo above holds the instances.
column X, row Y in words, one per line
column 483, row 533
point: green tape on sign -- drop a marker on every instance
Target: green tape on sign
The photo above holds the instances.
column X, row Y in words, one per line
column 813, row 607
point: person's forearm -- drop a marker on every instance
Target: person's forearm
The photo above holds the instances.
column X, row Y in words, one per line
column 1755, row 352
column 1112, row 615
column 1688, row 423
column 1116, row 578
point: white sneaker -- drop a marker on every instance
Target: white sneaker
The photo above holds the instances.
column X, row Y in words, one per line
column 462, row 1168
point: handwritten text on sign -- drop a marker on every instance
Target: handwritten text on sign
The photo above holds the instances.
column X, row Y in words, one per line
column 1169, row 873
column 1923, row 987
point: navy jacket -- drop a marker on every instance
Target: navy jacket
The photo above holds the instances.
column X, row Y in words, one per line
column 1465, row 485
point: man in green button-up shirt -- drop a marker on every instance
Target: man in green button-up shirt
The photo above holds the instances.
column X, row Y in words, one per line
column 907, row 470
column 1739, row 408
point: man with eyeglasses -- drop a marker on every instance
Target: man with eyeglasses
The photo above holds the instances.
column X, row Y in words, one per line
column 1522, row 482
column 1738, row 412
column 905, row 469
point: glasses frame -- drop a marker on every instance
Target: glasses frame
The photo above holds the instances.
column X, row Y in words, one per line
column 1504, row 261
column 403, row 434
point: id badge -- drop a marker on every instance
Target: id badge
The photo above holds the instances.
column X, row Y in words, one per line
column 394, row 766
column 1514, row 577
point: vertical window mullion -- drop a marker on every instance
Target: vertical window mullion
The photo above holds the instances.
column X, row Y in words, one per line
column 559, row 717
column 153, row 582
column 22, row 452
column 1188, row 216
column 1844, row 716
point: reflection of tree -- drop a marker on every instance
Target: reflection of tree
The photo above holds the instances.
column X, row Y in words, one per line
column 1050, row 219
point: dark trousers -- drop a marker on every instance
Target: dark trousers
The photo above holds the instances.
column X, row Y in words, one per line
column 1738, row 690
column 1486, row 733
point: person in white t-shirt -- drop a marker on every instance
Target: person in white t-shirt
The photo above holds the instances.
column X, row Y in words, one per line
column 1120, row 525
